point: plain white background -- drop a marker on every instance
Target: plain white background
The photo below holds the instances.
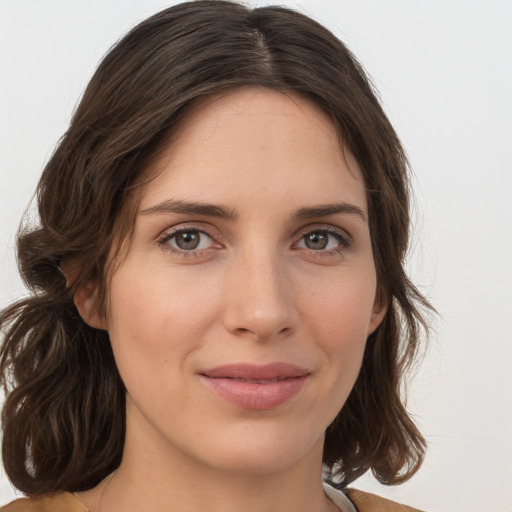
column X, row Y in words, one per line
column 443, row 70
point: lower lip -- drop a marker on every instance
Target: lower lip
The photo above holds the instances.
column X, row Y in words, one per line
column 256, row 396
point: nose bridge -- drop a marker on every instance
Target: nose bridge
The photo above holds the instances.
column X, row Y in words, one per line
column 259, row 298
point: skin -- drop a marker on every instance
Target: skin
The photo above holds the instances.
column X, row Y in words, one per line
column 255, row 290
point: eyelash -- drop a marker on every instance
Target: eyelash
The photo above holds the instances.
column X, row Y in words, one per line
column 167, row 237
column 344, row 241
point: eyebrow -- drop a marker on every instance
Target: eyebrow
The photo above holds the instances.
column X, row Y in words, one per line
column 325, row 210
column 192, row 208
column 222, row 212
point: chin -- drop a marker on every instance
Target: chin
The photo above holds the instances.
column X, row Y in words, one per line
column 258, row 455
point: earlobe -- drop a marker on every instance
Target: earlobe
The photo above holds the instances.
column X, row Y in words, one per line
column 378, row 312
column 86, row 294
column 85, row 300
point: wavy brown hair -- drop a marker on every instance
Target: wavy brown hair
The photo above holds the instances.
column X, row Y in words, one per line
column 64, row 414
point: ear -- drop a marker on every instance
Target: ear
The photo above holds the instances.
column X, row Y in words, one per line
column 378, row 312
column 86, row 302
column 86, row 294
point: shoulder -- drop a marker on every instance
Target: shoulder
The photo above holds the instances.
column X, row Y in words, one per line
column 366, row 502
column 61, row 502
column 66, row 502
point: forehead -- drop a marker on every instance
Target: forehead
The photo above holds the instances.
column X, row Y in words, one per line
column 255, row 145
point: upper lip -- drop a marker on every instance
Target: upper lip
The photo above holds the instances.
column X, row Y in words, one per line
column 250, row 371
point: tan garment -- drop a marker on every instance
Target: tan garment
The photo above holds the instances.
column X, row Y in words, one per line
column 61, row 502
column 66, row 502
column 366, row 502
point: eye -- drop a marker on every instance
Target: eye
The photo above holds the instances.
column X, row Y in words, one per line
column 187, row 240
column 323, row 240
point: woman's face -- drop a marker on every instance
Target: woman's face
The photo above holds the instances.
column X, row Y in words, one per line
column 239, row 317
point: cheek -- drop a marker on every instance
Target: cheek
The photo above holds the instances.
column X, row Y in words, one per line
column 339, row 316
column 343, row 306
column 156, row 321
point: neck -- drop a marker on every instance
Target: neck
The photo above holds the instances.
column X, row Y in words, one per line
column 156, row 476
column 163, row 485
column 248, row 494
column 156, row 488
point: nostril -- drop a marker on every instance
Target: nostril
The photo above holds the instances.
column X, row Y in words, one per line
column 262, row 333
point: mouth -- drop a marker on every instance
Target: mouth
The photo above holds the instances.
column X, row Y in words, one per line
column 271, row 372
column 256, row 387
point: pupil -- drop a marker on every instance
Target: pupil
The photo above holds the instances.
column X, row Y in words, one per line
column 187, row 241
column 316, row 241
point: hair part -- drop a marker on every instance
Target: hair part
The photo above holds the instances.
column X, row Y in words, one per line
column 64, row 415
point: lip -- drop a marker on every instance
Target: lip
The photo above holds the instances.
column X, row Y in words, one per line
column 256, row 387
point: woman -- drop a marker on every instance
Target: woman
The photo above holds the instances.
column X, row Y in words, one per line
column 219, row 305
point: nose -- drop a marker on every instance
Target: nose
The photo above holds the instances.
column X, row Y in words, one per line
column 259, row 298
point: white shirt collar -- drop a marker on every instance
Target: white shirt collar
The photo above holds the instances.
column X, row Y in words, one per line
column 339, row 499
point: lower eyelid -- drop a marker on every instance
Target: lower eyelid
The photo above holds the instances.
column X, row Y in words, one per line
column 166, row 237
column 343, row 239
